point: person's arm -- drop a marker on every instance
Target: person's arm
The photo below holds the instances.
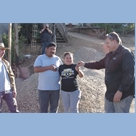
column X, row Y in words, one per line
column 38, row 69
column 49, row 31
column 93, row 65
column 80, row 73
column 11, row 77
column 42, row 30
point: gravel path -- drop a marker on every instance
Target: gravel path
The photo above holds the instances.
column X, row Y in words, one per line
column 92, row 85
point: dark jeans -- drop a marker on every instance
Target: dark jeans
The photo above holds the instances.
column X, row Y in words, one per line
column 46, row 98
column 44, row 44
column 10, row 100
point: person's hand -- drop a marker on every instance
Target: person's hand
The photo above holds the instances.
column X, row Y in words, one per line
column 50, row 32
column 14, row 93
column 77, row 68
column 81, row 63
column 53, row 67
column 45, row 27
column 117, row 96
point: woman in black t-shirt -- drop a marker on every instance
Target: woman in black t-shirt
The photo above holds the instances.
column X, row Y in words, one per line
column 69, row 86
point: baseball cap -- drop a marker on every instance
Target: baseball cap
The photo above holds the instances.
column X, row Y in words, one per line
column 2, row 46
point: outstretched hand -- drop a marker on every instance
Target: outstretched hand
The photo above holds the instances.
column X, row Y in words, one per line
column 81, row 63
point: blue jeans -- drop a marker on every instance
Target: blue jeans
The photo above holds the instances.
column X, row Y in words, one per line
column 44, row 44
column 122, row 106
column 46, row 98
column 10, row 100
column 70, row 101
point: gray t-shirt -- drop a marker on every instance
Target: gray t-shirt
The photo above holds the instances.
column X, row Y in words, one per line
column 48, row 80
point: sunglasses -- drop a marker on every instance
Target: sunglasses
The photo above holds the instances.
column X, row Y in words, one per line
column 110, row 37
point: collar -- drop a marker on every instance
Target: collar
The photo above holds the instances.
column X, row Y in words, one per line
column 117, row 50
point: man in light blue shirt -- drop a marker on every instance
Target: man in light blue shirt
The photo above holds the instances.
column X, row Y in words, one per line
column 49, row 80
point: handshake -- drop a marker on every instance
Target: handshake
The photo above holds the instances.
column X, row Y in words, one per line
column 81, row 63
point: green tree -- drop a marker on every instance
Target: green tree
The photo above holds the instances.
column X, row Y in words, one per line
column 22, row 40
column 121, row 28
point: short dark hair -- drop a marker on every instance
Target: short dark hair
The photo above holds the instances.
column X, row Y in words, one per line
column 114, row 36
column 67, row 53
column 51, row 44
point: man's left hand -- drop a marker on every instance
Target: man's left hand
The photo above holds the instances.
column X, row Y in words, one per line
column 117, row 96
column 14, row 94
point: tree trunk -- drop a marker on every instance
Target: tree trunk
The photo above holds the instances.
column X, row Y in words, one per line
column 16, row 47
column 9, row 41
column 16, row 44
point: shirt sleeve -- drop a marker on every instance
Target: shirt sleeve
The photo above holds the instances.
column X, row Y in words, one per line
column 59, row 70
column 37, row 62
column 96, row 65
column 60, row 61
column 76, row 73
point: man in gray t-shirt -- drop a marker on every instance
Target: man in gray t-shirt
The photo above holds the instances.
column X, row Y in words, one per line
column 49, row 80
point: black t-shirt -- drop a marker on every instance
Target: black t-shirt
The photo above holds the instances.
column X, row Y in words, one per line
column 68, row 73
column 46, row 36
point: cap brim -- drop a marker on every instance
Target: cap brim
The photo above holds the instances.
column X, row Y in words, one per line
column 3, row 48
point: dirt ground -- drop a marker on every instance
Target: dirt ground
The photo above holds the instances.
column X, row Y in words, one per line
column 86, row 48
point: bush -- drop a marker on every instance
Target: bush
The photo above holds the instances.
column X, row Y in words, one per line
column 21, row 40
column 121, row 28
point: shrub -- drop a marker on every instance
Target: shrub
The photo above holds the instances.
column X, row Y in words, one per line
column 21, row 41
